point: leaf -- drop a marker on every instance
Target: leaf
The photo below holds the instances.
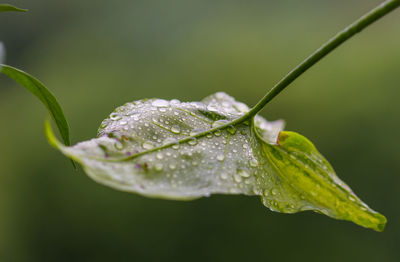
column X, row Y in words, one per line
column 304, row 180
column 2, row 54
column 7, row 8
column 160, row 148
column 45, row 96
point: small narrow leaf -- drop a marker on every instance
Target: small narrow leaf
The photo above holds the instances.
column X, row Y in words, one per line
column 165, row 149
column 2, row 54
column 45, row 96
column 11, row 8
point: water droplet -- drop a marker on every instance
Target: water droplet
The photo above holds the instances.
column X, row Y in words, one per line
column 219, row 123
column 123, row 122
column 237, row 178
column 220, row 157
column 253, row 162
column 266, row 193
column 160, row 103
column 175, row 129
column 172, row 166
column 241, row 107
column 175, row 102
column 212, row 108
column 243, row 173
column 243, row 132
column 192, row 141
column 217, row 133
column 158, row 167
column 209, row 135
column 175, row 146
column 224, row 176
column 147, row 145
column 196, row 131
column 118, row 146
column 274, row 191
column 169, row 140
column 159, row 155
column 352, row 199
column 115, row 116
column 231, row 130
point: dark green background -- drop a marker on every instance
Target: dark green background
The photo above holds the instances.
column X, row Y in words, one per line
column 96, row 55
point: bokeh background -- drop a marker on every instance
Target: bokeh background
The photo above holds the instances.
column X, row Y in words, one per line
column 97, row 55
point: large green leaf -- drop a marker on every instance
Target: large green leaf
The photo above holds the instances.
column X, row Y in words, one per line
column 7, row 8
column 149, row 147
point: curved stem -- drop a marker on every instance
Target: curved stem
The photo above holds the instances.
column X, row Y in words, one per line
column 364, row 21
column 373, row 15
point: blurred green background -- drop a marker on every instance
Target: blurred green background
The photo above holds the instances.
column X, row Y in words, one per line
column 97, row 55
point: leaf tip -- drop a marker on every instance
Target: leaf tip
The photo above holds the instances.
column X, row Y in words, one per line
column 8, row 8
column 373, row 220
column 382, row 223
column 51, row 138
column 50, row 134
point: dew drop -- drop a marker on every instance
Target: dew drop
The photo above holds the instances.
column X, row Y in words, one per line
column 274, row 191
column 175, row 129
column 118, row 146
column 243, row 173
column 115, row 116
column 175, row 146
column 160, row 103
column 253, row 162
column 175, row 102
column 231, row 130
column 159, row 155
column 196, row 131
column 224, row 176
column 266, row 193
column 352, row 199
column 212, row 108
column 192, row 141
column 220, row 157
column 172, row 166
column 169, row 140
column 219, row 123
column 237, row 178
column 147, row 145
column 123, row 122
column 217, row 133
column 158, row 167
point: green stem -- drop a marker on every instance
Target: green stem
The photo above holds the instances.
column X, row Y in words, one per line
column 364, row 21
column 373, row 15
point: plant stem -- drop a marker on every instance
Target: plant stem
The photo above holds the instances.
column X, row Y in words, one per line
column 364, row 21
column 373, row 15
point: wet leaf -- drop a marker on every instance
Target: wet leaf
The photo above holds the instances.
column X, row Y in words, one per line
column 149, row 147
column 8, row 8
